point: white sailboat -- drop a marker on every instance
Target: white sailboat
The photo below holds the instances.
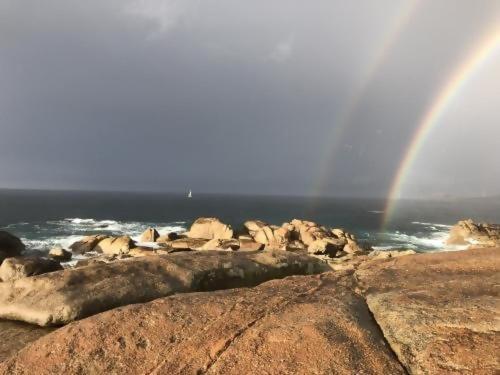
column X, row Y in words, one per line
column 190, row 194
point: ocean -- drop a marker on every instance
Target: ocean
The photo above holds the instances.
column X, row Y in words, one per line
column 43, row 219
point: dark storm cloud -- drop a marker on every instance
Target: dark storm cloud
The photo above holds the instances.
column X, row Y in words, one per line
column 220, row 96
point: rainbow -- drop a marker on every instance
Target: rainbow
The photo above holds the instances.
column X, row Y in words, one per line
column 485, row 50
column 343, row 119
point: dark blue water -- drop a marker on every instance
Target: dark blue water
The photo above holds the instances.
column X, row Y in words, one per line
column 45, row 218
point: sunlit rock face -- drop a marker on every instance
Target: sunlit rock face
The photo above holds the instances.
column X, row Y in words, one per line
column 471, row 234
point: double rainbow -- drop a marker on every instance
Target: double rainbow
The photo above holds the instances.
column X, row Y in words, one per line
column 488, row 47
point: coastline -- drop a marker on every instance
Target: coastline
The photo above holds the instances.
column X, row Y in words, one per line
column 350, row 312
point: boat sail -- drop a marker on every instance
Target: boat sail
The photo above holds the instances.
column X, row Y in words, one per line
column 190, row 194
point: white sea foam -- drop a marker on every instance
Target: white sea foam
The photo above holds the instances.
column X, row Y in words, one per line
column 376, row 212
column 432, row 225
column 434, row 240
column 65, row 232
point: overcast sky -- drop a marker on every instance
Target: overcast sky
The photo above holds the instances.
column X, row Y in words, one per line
column 244, row 96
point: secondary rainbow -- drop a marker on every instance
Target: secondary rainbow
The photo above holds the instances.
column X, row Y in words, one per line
column 345, row 115
column 488, row 47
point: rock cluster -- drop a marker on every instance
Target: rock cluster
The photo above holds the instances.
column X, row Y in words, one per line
column 471, row 234
column 378, row 312
column 300, row 234
column 213, row 234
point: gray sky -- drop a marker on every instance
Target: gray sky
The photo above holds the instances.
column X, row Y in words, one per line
column 245, row 96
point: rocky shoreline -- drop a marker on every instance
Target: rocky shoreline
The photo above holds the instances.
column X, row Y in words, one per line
column 302, row 298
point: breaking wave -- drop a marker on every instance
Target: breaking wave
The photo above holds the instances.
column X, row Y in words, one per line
column 42, row 236
column 431, row 236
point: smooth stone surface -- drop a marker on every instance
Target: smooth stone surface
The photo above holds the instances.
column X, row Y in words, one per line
column 440, row 312
column 86, row 244
column 115, row 245
column 62, row 297
column 210, row 228
column 299, row 325
column 149, row 235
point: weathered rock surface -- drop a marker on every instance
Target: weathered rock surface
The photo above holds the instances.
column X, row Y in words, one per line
column 115, row 245
column 16, row 335
column 19, row 267
column 326, row 246
column 10, row 245
column 273, row 237
column 379, row 254
column 59, row 254
column 149, row 235
column 218, row 244
column 102, row 259
column 472, row 234
column 299, row 325
column 320, row 240
column 210, row 228
column 64, row 296
column 187, row 243
column 86, row 244
column 249, row 245
column 308, row 231
column 438, row 311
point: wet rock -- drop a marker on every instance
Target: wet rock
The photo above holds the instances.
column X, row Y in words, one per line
column 299, row 325
column 16, row 268
column 149, row 235
column 59, row 254
column 210, row 228
column 10, row 245
column 64, row 296
column 172, row 236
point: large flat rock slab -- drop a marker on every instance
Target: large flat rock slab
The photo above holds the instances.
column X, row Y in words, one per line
column 16, row 335
column 440, row 312
column 64, row 296
column 298, row 325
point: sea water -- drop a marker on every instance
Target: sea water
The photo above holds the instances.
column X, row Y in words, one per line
column 43, row 219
